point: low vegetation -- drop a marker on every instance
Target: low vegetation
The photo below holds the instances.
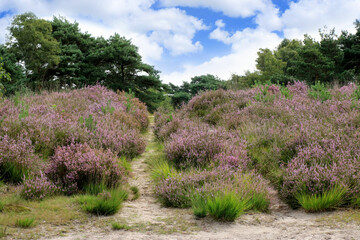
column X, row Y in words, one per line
column 300, row 139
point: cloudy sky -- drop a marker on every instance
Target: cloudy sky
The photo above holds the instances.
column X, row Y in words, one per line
column 185, row 38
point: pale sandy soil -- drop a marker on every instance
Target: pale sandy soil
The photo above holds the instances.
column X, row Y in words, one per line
column 148, row 220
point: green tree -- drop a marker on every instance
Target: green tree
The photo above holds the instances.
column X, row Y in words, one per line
column 4, row 77
column 31, row 41
column 18, row 81
column 268, row 64
column 350, row 45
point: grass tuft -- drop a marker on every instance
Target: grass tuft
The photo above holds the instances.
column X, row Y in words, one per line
column 328, row 200
column 3, row 232
column 135, row 191
column 259, row 202
column 226, row 207
column 199, row 206
column 25, row 222
column 107, row 203
column 119, row 226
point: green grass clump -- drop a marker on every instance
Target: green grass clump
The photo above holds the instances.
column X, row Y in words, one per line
column 95, row 188
column 259, row 202
column 135, row 191
column 356, row 202
column 321, row 202
column 12, row 172
column 119, row 226
column 3, row 232
column 25, row 222
column 226, row 207
column 199, row 206
column 2, row 205
column 161, row 170
column 107, row 203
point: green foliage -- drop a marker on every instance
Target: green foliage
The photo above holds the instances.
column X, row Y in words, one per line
column 198, row 84
column 135, row 191
column 88, row 122
column 2, row 205
column 24, row 111
column 3, row 232
column 285, row 92
column 259, row 202
column 119, row 226
column 161, row 170
column 12, row 172
column 356, row 94
column 32, row 42
column 321, row 202
column 319, row 91
column 356, row 202
column 199, row 206
column 25, row 222
column 264, row 95
column 95, row 188
column 226, row 207
column 108, row 108
column 268, row 64
column 106, row 203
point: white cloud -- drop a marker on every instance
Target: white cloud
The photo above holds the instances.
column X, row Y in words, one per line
column 151, row 30
column 231, row 8
column 245, row 45
column 308, row 16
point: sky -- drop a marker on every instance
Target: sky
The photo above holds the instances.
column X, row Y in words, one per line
column 187, row 38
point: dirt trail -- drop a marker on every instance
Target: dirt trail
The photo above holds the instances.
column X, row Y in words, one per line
column 148, row 220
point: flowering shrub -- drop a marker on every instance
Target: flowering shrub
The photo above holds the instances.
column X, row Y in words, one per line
column 38, row 187
column 17, row 158
column 76, row 165
column 304, row 140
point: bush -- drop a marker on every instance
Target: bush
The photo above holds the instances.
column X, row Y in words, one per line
column 320, row 202
column 227, row 206
column 76, row 166
column 38, row 187
column 17, row 158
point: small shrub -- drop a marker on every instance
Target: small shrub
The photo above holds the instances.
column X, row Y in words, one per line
column 227, row 206
column 319, row 91
column 25, row 222
column 199, row 206
column 38, row 187
column 320, row 202
column 119, row 226
column 76, row 166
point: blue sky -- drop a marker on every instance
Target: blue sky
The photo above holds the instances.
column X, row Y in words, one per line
column 185, row 38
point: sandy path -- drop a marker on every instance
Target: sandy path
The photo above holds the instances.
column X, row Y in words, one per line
column 148, row 220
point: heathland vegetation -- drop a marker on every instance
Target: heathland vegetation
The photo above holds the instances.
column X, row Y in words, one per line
column 74, row 110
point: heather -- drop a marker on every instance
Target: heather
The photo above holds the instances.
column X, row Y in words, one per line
column 302, row 139
column 60, row 142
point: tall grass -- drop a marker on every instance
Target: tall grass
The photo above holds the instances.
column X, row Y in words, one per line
column 227, row 207
column 106, row 203
column 199, row 206
column 25, row 222
column 328, row 200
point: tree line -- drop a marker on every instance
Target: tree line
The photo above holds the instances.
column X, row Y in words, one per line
column 52, row 55
column 331, row 60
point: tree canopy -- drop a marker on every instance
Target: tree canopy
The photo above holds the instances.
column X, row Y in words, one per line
column 55, row 54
